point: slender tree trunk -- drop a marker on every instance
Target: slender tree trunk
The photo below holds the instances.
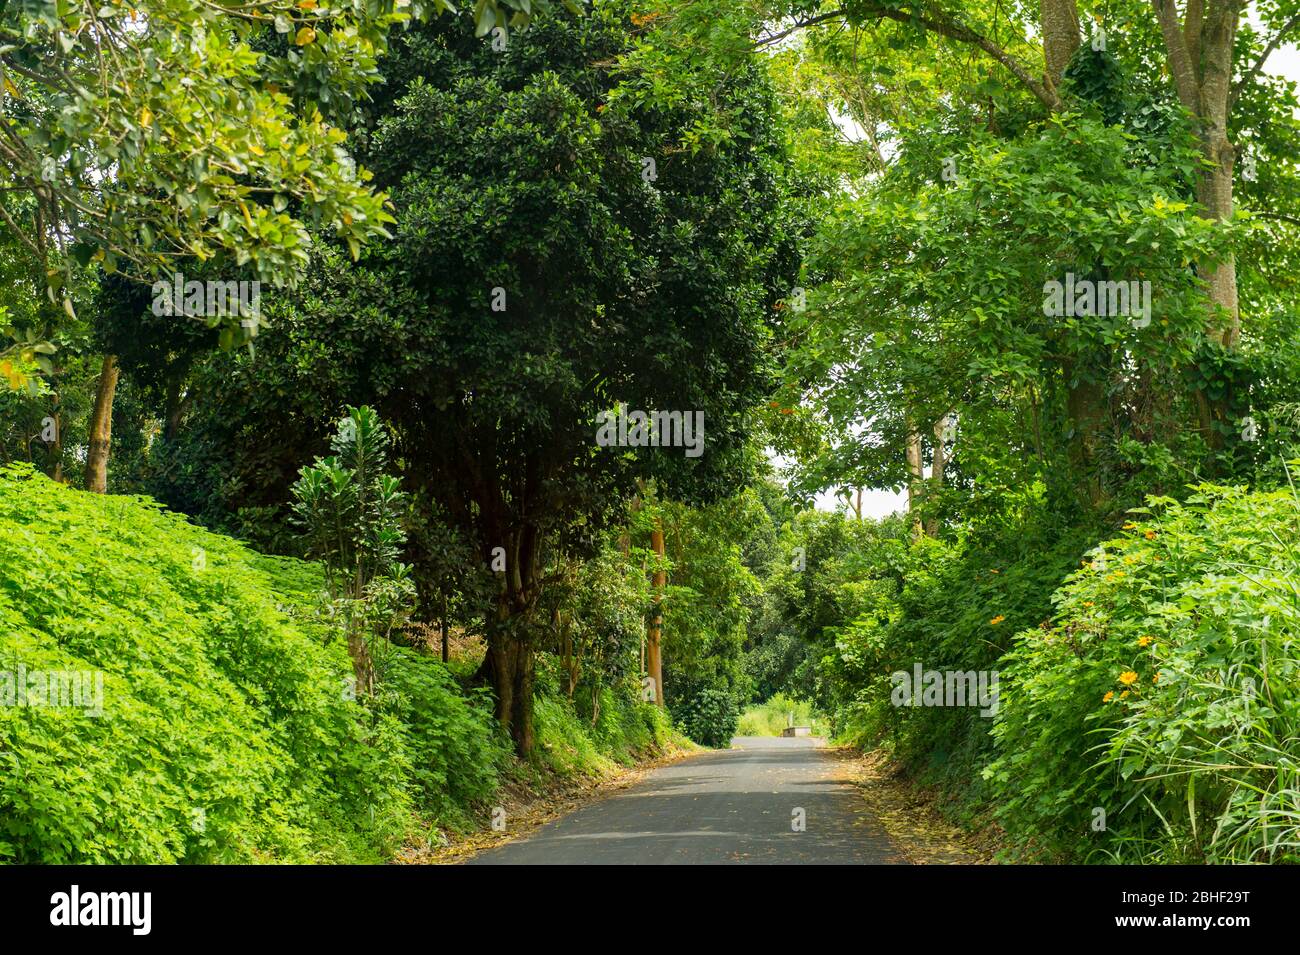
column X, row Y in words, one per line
column 654, row 657
column 915, row 477
column 58, row 445
column 937, row 469
column 101, row 428
column 1214, row 191
column 442, row 626
column 1199, row 54
column 362, row 666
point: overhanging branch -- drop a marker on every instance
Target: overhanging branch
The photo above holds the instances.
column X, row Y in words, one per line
column 1272, row 45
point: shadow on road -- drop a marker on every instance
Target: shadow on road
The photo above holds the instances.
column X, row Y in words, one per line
column 766, row 800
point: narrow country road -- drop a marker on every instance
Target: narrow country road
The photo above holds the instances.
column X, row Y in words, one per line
column 742, row 805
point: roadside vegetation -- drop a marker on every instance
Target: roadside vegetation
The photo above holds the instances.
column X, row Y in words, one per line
column 773, row 715
column 401, row 407
column 226, row 726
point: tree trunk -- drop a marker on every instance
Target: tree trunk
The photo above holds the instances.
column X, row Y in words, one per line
column 1060, row 24
column 1199, row 54
column 362, row 666
column 1085, row 404
column 937, row 470
column 101, row 428
column 442, row 626
column 512, row 669
column 176, row 406
column 654, row 657
column 58, row 445
column 915, row 476
column 509, row 665
column 1214, row 192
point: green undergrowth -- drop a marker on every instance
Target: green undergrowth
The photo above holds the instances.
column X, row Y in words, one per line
column 225, row 730
column 771, row 716
column 622, row 733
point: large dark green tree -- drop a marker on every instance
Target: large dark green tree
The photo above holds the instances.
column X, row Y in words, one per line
column 555, row 253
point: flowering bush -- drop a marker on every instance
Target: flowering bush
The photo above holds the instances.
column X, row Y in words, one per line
column 1159, row 716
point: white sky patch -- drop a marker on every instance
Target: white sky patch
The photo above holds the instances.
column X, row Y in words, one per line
column 853, row 130
column 1285, row 60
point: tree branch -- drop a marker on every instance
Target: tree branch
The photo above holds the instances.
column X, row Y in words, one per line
column 799, row 25
column 1180, row 58
column 941, row 23
column 936, row 21
column 1282, row 216
column 1273, row 44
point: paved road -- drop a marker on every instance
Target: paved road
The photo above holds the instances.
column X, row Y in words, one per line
column 730, row 806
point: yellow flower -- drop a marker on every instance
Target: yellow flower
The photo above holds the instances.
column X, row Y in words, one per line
column 1156, row 678
column 1129, row 525
column 1124, row 694
column 1128, row 678
column 1110, row 695
column 1150, row 535
column 13, row 374
column 1144, row 640
column 996, row 620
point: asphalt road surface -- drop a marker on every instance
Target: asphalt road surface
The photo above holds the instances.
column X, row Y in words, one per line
column 742, row 805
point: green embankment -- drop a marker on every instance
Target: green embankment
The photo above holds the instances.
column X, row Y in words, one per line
column 227, row 732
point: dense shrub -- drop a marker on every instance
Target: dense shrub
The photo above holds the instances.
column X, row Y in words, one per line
column 1165, row 694
column 709, row 717
column 955, row 609
column 457, row 749
column 226, row 732
column 624, row 730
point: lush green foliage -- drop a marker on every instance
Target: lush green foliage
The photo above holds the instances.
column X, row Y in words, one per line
column 709, row 717
column 490, row 370
column 226, row 734
column 623, row 731
column 456, row 752
column 1164, row 692
column 774, row 714
column 157, row 129
column 837, row 245
column 230, row 731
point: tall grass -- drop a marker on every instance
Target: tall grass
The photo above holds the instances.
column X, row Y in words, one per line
column 773, row 715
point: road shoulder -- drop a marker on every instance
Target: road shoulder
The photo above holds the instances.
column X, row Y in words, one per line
column 919, row 831
column 527, row 809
